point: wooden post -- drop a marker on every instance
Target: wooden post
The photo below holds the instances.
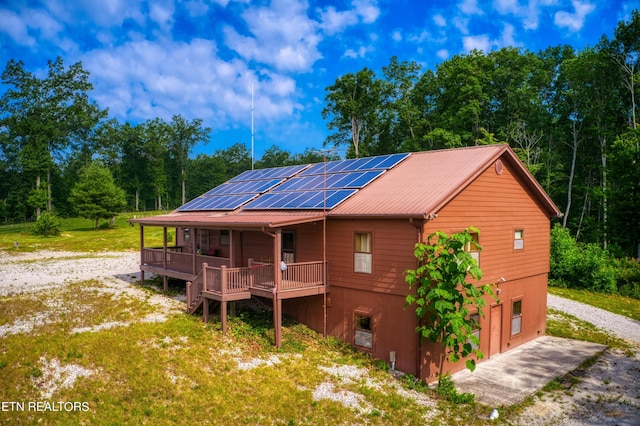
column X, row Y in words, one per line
column 188, row 295
column 164, row 249
column 223, row 315
column 223, row 280
column 205, row 310
column 277, row 279
column 205, row 265
column 141, row 254
column 193, row 251
column 223, row 302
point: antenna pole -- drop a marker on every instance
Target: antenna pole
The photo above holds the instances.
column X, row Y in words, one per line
column 252, row 157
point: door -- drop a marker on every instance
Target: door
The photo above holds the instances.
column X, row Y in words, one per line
column 495, row 326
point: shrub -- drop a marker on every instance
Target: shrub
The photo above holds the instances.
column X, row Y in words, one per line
column 628, row 277
column 586, row 267
column 47, row 224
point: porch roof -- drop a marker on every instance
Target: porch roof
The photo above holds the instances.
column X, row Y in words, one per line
column 239, row 219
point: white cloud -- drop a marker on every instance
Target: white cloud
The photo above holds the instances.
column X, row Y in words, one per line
column 282, row 36
column 470, row 7
column 442, row 54
column 361, row 52
column 15, row 27
column 507, row 37
column 462, row 24
column 333, row 21
column 142, row 80
column 162, row 14
column 367, row 10
column 574, row 21
column 439, row 20
column 396, row 35
column 478, row 42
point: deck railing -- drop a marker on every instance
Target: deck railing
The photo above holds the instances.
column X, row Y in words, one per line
column 298, row 276
column 180, row 262
column 302, row 275
column 194, row 292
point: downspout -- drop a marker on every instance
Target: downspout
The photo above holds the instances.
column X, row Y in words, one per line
column 420, row 226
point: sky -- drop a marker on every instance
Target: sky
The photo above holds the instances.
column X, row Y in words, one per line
column 269, row 62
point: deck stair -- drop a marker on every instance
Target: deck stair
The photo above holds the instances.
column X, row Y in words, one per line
column 194, row 292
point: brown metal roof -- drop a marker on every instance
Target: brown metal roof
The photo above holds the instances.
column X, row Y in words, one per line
column 426, row 181
column 417, row 187
column 240, row 219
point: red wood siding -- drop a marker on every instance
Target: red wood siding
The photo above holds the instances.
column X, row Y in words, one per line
column 392, row 243
column 498, row 205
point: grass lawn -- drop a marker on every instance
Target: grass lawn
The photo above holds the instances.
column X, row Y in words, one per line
column 183, row 371
column 78, row 234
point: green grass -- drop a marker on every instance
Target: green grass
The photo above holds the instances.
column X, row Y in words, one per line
column 185, row 371
column 626, row 306
column 78, row 234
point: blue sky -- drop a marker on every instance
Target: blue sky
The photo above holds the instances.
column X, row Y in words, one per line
column 200, row 58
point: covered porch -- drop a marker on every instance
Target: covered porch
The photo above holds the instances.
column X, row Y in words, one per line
column 226, row 258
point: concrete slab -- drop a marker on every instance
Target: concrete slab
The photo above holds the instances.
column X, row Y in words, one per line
column 510, row 377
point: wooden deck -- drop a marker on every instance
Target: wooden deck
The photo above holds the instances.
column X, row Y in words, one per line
column 229, row 284
column 211, row 278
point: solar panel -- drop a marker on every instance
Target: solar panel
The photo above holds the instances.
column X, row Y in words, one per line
column 295, row 187
column 382, row 162
column 300, row 200
column 216, row 202
column 273, row 173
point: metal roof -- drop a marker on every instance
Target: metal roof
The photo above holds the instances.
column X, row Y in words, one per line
column 426, row 181
column 417, row 187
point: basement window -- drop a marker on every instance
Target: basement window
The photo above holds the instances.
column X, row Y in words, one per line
column 363, row 335
column 362, row 253
column 516, row 317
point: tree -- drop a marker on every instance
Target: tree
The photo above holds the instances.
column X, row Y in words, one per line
column 274, row 157
column 443, row 295
column 39, row 116
column 95, row 195
column 183, row 136
column 354, row 103
column 237, row 159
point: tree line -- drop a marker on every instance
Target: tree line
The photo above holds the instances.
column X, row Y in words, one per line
column 571, row 116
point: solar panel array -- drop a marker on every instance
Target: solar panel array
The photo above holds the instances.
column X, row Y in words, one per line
column 321, row 185
column 325, row 185
column 241, row 189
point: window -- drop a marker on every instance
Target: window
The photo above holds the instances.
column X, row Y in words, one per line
column 362, row 253
column 288, row 246
column 518, row 239
column 363, row 336
column 186, row 234
column 516, row 317
column 224, row 237
column 472, row 248
column 475, row 318
column 202, row 238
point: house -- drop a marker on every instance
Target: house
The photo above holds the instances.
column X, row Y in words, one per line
column 328, row 244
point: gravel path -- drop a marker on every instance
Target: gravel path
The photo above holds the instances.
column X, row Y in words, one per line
column 32, row 272
column 623, row 327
